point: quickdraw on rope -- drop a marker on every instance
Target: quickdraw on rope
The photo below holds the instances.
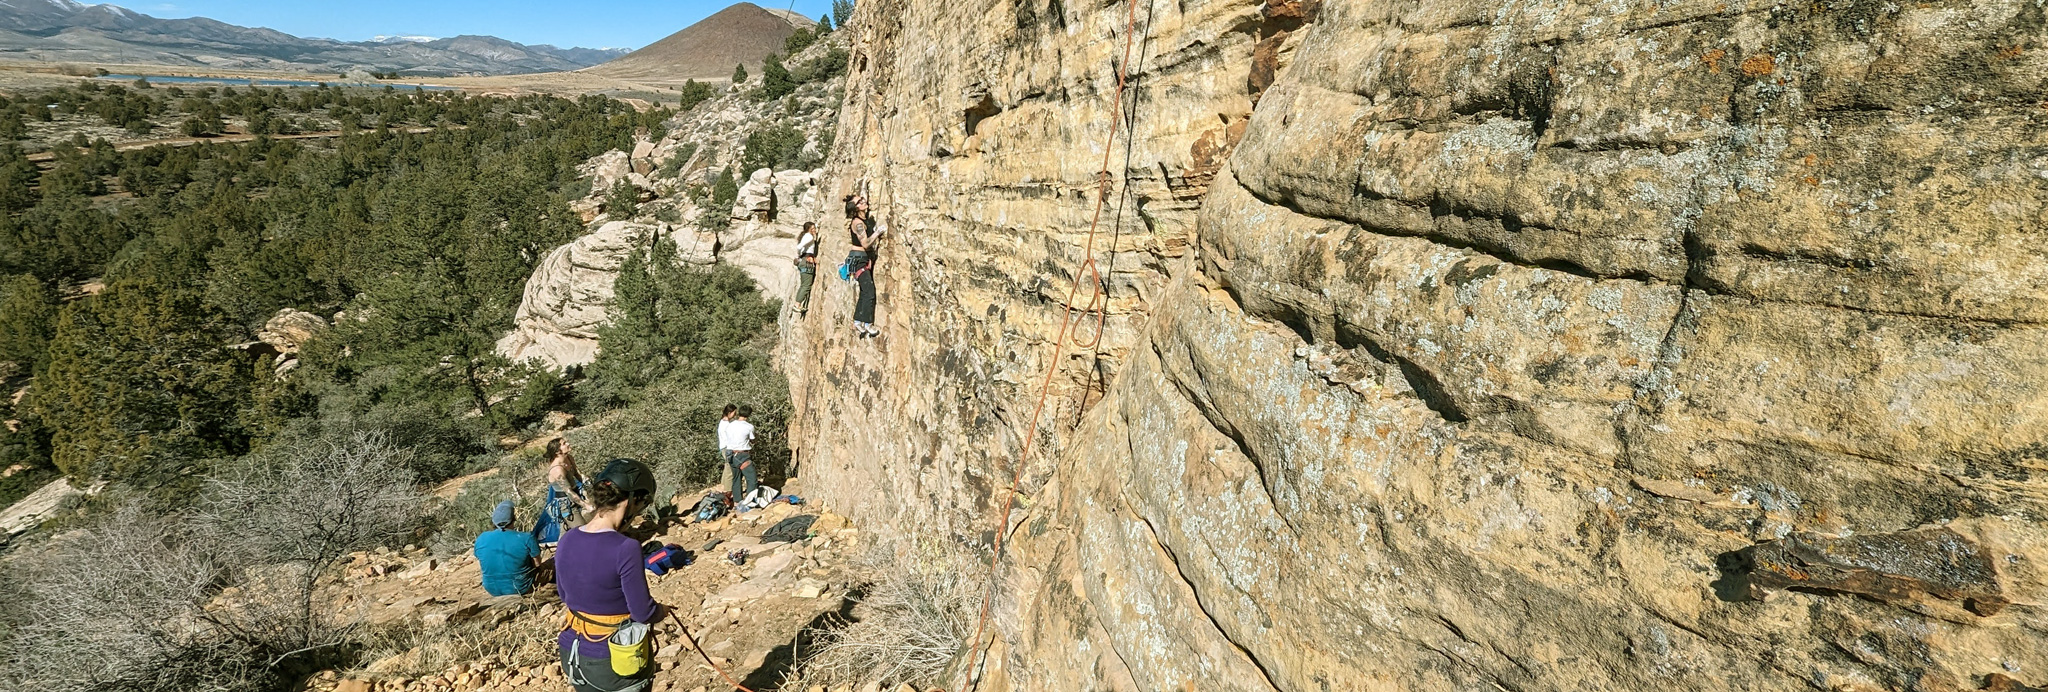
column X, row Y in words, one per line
column 1098, row 303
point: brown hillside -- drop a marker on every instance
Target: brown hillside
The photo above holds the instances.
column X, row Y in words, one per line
column 742, row 34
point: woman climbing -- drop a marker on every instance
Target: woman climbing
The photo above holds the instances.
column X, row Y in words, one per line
column 603, row 585
column 861, row 263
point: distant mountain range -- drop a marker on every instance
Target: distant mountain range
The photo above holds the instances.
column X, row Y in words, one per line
column 742, row 34
column 67, row 31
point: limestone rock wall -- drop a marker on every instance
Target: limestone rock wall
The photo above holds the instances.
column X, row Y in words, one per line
column 1530, row 345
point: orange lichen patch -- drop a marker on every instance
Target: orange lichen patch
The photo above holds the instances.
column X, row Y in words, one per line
column 1810, row 160
column 1759, row 65
column 2010, row 52
column 1810, row 181
column 1713, row 60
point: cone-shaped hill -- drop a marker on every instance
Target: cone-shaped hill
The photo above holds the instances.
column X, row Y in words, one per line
column 742, row 34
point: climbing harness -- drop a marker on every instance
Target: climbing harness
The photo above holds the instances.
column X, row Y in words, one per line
column 1097, row 303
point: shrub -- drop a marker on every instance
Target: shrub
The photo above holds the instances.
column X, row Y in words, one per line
column 911, row 625
column 673, row 425
column 778, row 146
column 118, row 606
column 775, row 79
column 693, row 93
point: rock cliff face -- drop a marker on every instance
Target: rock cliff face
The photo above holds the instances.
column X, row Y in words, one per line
column 1461, row 346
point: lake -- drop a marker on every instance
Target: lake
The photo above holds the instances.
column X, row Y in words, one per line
column 235, row 81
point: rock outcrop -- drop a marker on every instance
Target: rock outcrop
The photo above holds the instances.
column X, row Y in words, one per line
column 1460, row 346
column 290, row 329
column 568, row 295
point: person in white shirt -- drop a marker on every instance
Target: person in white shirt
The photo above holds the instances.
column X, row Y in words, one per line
column 736, row 444
column 806, row 266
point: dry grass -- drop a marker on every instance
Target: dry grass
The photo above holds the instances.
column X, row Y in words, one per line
column 909, row 627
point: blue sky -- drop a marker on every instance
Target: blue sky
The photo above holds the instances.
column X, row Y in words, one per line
column 566, row 23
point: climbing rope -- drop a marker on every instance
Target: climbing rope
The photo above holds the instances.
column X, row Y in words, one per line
column 1097, row 303
column 700, row 652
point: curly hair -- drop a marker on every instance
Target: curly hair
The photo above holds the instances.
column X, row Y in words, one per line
column 604, row 493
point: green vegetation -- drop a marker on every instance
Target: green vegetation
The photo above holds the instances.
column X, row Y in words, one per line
column 739, row 74
column 775, row 80
column 131, row 287
column 683, row 342
column 842, row 10
column 693, row 93
column 800, row 39
column 424, row 240
column 778, row 146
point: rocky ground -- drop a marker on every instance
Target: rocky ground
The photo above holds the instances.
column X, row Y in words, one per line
column 748, row 617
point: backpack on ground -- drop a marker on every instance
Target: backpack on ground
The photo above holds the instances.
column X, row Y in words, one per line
column 713, row 506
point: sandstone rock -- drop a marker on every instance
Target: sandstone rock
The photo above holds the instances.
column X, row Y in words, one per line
column 30, row 511
column 607, row 170
column 568, row 295
column 557, row 421
column 1584, row 295
column 353, row 685
column 757, row 196
column 290, row 329
column 772, row 565
column 754, row 660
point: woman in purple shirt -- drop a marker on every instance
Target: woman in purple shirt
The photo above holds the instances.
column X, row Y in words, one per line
column 599, row 574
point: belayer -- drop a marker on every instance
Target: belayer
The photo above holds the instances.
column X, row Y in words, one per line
column 507, row 558
column 602, row 576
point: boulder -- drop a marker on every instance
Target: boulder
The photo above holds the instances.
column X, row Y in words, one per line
column 606, row 171
column 757, row 197
column 290, row 329
column 31, row 511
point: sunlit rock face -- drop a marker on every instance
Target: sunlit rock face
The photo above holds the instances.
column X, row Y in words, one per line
column 1456, row 345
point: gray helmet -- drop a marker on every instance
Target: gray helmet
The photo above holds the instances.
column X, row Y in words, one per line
column 630, row 476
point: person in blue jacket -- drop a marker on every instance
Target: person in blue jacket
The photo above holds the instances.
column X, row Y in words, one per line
column 507, row 557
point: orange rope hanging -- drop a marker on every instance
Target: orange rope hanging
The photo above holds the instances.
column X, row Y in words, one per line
column 1097, row 303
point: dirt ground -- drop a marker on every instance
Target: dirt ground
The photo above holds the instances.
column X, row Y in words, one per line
column 749, row 618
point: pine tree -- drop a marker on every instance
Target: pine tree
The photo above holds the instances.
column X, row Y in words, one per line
column 842, row 10
column 824, row 24
column 739, row 74
column 694, row 93
column 28, row 316
column 140, row 385
column 775, row 80
column 623, row 202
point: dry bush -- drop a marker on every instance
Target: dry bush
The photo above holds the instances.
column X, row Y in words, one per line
column 910, row 625
column 225, row 600
column 288, row 515
column 118, row 606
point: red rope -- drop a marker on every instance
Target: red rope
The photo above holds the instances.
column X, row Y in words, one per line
column 700, row 652
column 1097, row 303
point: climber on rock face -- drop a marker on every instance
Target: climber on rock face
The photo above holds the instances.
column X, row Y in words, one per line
column 506, row 557
column 736, row 444
column 806, row 266
column 603, row 583
column 860, row 263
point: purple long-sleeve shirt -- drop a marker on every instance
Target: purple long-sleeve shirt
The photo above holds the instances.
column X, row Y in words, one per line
column 600, row 574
